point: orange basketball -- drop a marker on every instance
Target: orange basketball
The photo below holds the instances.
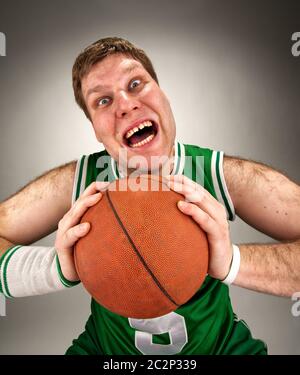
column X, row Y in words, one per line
column 142, row 257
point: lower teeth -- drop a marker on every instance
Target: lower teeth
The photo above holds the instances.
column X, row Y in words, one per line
column 147, row 140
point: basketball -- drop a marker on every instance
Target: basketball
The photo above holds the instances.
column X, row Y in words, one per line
column 142, row 257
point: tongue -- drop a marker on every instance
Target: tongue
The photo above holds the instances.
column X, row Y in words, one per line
column 140, row 136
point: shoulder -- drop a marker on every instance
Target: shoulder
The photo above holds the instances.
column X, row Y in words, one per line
column 244, row 175
column 263, row 197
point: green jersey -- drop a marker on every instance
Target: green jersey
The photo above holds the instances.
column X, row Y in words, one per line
column 205, row 324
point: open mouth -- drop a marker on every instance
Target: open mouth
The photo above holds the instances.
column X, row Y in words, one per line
column 141, row 134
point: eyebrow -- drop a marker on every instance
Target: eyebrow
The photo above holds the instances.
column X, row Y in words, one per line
column 100, row 87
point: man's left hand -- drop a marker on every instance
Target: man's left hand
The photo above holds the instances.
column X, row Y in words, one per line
column 210, row 215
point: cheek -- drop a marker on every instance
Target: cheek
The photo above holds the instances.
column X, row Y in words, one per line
column 158, row 101
column 99, row 130
column 164, row 107
column 101, row 126
column 97, row 134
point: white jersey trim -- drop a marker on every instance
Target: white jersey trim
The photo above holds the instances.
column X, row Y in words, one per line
column 114, row 168
column 179, row 161
column 75, row 182
column 83, row 175
column 219, row 182
column 80, row 181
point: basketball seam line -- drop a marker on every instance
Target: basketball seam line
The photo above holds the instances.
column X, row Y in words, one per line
column 137, row 252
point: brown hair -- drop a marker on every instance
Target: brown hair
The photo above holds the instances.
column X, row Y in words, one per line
column 97, row 52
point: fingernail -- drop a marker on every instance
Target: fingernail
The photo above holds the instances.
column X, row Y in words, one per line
column 182, row 204
column 96, row 196
column 194, row 196
column 102, row 184
column 83, row 226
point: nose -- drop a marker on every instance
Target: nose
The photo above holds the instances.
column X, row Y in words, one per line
column 125, row 104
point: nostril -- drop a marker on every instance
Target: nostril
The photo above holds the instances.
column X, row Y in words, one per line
column 126, row 112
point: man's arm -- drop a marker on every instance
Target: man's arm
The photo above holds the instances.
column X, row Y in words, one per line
column 35, row 210
column 270, row 202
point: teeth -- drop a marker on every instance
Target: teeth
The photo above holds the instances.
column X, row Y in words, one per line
column 140, row 127
column 147, row 140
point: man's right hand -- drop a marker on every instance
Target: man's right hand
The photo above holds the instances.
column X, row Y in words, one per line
column 70, row 231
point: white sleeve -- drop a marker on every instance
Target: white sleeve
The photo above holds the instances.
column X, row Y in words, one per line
column 31, row 270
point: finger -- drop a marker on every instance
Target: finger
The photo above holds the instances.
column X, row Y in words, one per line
column 179, row 178
column 93, row 188
column 198, row 197
column 189, row 192
column 73, row 234
column 205, row 221
column 74, row 215
column 102, row 185
column 188, row 182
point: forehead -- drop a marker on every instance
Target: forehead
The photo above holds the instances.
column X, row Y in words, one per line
column 111, row 69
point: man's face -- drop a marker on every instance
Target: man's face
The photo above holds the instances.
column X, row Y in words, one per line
column 128, row 109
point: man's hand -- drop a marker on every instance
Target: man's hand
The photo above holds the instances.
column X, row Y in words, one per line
column 70, row 231
column 210, row 215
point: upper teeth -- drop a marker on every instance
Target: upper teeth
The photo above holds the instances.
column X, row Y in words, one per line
column 137, row 128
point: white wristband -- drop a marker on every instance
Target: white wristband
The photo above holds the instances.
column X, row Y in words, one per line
column 234, row 267
column 31, row 270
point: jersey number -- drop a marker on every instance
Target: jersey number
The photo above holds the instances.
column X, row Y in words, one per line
column 172, row 323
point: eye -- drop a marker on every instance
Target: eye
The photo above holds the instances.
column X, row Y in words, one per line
column 103, row 101
column 133, row 84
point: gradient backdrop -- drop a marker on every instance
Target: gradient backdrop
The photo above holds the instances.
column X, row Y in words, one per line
column 234, row 85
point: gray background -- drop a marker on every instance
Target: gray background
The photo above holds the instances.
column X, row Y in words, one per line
column 233, row 83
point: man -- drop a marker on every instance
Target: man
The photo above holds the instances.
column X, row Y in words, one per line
column 116, row 86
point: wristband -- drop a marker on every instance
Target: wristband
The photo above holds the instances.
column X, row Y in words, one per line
column 31, row 270
column 234, row 266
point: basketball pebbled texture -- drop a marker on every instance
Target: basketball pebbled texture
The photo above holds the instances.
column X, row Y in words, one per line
column 142, row 257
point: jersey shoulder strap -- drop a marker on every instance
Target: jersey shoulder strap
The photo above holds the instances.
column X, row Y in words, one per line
column 205, row 166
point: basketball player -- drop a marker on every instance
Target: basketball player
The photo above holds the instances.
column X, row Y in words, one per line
column 117, row 88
